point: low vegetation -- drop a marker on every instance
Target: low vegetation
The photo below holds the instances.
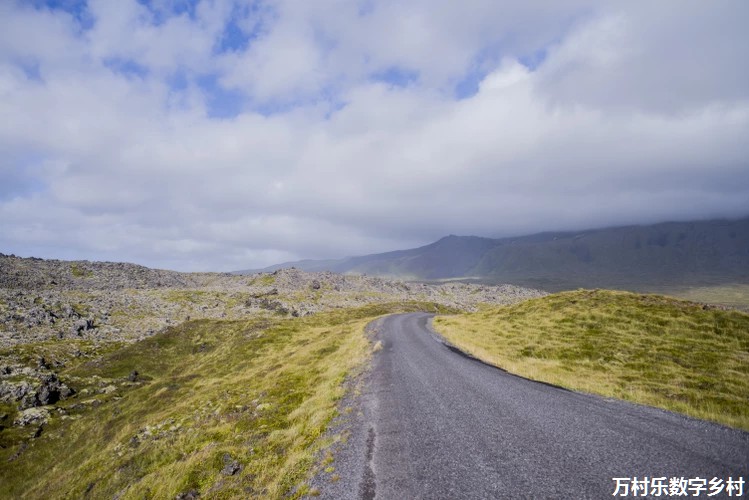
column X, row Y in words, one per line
column 735, row 295
column 649, row 349
column 224, row 409
column 79, row 272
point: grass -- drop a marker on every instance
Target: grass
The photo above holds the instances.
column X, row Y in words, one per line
column 734, row 295
column 80, row 272
column 260, row 390
column 647, row 349
column 264, row 280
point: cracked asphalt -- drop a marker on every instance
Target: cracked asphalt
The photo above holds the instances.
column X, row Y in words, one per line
column 436, row 424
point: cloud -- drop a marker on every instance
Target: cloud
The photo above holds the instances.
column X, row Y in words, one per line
column 231, row 134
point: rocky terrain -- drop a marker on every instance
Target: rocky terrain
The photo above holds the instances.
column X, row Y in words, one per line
column 54, row 313
column 43, row 300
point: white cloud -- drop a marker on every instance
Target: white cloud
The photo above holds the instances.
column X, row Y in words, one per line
column 636, row 113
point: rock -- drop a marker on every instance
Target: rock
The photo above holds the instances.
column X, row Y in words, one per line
column 69, row 312
column 133, row 377
column 49, row 392
column 32, row 416
column 10, row 392
column 231, row 466
column 188, row 495
column 83, row 325
column 122, row 308
column 66, row 392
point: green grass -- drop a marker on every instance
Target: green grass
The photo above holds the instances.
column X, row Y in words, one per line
column 264, row 280
column 79, row 272
column 262, row 390
column 648, row 349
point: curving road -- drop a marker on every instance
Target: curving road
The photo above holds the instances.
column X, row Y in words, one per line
column 437, row 424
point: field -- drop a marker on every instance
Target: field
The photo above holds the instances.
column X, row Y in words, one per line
column 735, row 295
column 647, row 349
column 226, row 409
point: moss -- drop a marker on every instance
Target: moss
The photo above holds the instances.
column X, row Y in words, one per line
column 264, row 280
column 79, row 272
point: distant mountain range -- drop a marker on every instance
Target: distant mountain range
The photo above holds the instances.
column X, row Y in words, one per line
column 671, row 253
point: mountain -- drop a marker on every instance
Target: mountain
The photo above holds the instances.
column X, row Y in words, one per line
column 670, row 253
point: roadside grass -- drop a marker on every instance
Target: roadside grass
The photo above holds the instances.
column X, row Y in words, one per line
column 209, row 392
column 648, row 349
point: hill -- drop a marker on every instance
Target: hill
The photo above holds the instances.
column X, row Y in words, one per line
column 671, row 253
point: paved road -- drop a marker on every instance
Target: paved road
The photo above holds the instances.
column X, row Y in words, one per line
column 441, row 425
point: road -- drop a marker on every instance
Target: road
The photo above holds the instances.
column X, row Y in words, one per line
column 438, row 424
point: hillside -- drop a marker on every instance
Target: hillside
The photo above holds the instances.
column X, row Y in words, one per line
column 672, row 253
column 649, row 349
column 43, row 300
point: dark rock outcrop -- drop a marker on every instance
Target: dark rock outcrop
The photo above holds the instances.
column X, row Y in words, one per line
column 231, row 466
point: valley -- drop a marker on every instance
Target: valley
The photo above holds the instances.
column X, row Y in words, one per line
column 161, row 384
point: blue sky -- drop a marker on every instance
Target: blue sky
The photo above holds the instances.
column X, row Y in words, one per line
column 227, row 134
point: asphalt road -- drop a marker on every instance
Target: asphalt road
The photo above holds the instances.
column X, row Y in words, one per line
column 437, row 424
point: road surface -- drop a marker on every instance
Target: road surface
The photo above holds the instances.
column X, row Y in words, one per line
column 438, row 424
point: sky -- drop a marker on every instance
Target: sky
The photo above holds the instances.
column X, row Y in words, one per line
column 233, row 134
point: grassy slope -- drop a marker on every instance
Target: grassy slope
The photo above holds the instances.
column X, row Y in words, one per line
column 644, row 348
column 262, row 391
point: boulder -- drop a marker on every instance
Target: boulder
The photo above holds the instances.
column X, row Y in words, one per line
column 32, row 416
column 83, row 325
column 49, row 392
column 231, row 466
column 10, row 392
column 188, row 495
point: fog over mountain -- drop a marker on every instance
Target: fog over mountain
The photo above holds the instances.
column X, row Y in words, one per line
column 633, row 257
column 232, row 134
